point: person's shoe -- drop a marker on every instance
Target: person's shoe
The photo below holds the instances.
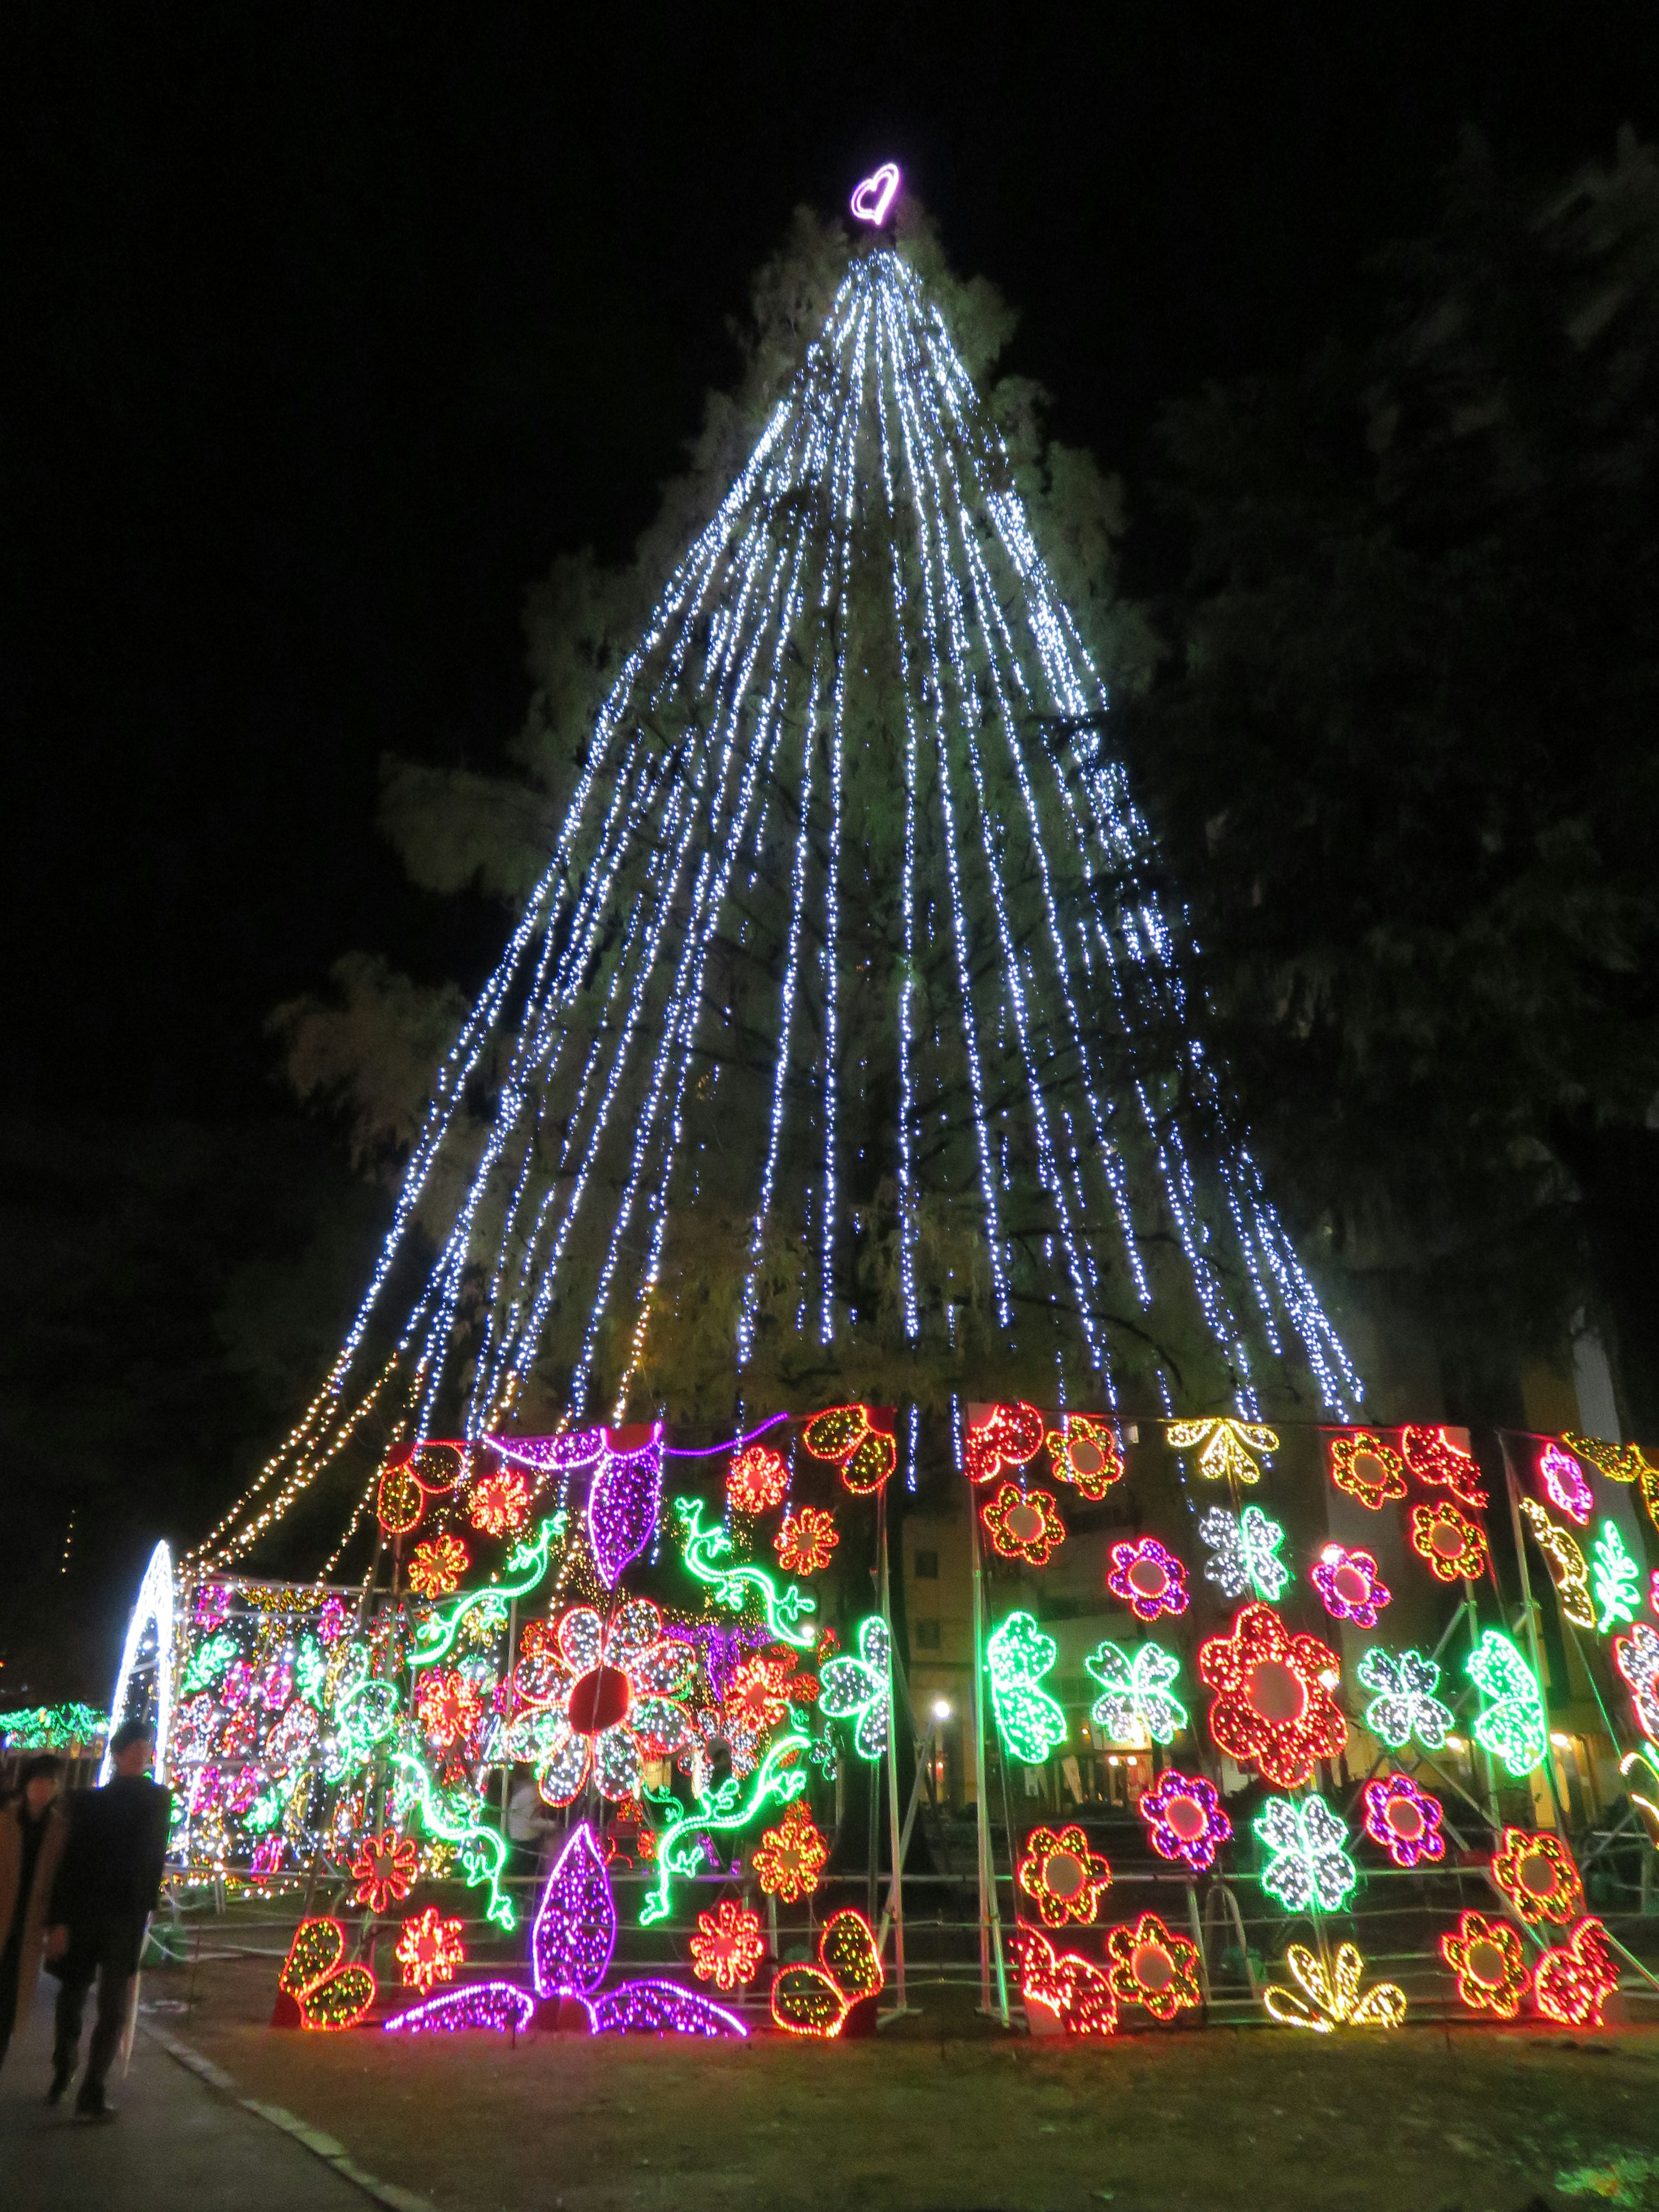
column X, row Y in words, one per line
column 61, row 2078
column 92, row 2104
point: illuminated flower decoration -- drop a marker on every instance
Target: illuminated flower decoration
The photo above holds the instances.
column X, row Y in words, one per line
column 851, row 1437
column 1349, row 1586
column 1572, row 1983
column 861, row 1689
column 1564, row 1484
column 1637, row 1658
column 1308, row 1861
column 334, row 1620
column 1512, row 1726
column 1333, row 1999
column 1404, row 1818
column 755, row 1481
column 1004, row 1437
column 805, row 1540
column 384, row 1870
column 1024, row 1524
column 1452, row 1544
column 606, row 1703
column 1148, row 1577
column 815, row 2001
column 1019, row 1656
column 500, row 1505
column 329, row 1994
column 1489, row 1961
column 1227, row 1447
column 727, row 1948
column 1136, row 1703
column 1153, row 1968
column 448, row 1705
column 1536, row 1871
column 1618, row 1463
column 1569, row 1569
column 212, row 1606
column 1079, row 1994
column 1185, row 1820
column 1618, row 1581
column 1405, row 1705
column 1367, row 1469
column 1273, row 1704
column 1085, row 1453
column 761, row 1690
column 1065, row 1877
column 1246, row 1553
column 438, row 1564
column 1653, row 1591
column 429, row 1949
column 789, row 1859
column 1433, row 1458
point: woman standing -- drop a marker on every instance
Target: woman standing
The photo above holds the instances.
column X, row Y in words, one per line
column 32, row 1833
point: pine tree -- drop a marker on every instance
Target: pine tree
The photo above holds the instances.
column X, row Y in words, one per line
column 840, row 1049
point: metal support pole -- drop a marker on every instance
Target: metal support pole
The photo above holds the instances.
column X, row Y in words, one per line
column 896, row 1839
column 1532, row 1638
column 990, row 1926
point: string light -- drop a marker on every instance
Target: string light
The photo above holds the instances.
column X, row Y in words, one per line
column 734, row 1586
column 875, row 195
column 1513, row 1727
column 53, row 1728
column 1085, row 1452
column 789, row 1860
column 1349, row 1586
column 1148, row 1577
column 1453, row 1545
column 1536, row 1872
column 727, row 1947
column 758, row 1479
column 1273, row 1706
column 1152, row 1968
column 610, row 1699
column 1572, row 1983
column 1003, row 1438
column 1078, row 1992
column 1569, row 1569
column 1637, row 1658
column 1367, row 1469
column 1246, row 1553
column 1433, row 1458
column 1331, row 1997
column 429, row 1949
column 1308, row 1863
column 1404, row 1818
column 152, row 1617
column 1406, row 1706
column 683, row 1841
column 861, row 1689
column 500, row 1505
column 805, row 1540
column 1018, row 1655
column 649, row 2007
column 1564, row 1484
column 1489, row 1961
column 495, row 2006
column 1617, row 1579
column 1226, row 1448
column 438, row 1564
column 1184, row 1819
column 1065, row 1877
column 574, row 1930
column 1136, row 1700
column 1024, row 1524
column 384, row 1871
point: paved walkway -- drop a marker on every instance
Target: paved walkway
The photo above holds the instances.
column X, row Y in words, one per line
column 176, row 2142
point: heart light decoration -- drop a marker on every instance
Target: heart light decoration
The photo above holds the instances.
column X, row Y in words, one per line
column 875, row 196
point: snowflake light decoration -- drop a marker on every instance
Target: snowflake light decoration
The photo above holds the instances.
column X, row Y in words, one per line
column 1536, row 1872
column 1148, row 1577
column 1453, row 1546
column 1309, row 1863
column 1489, row 1961
column 1637, row 1658
column 757, row 1481
column 1024, row 1524
column 728, row 1946
column 1079, row 1993
column 1617, row 1579
column 1572, row 1983
column 1246, row 1549
column 384, row 1870
column 1063, row 1875
column 1564, row 1484
column 606, row 1701
column 1569, row 1569
column 1512, row 1726
column 789, row 1859
column 860, row 1689
column 1406, row 1706
column 805, row 1540
column 1085, row 1452
column 1349, row 1586
column 1185, row 1819
column 499, row 1504
column 1367, row 1469
column 1136, row 1701
column 1433, row 1458
column 1152, row 1968
column 1273, row 1706
column 430, row 1950
column 1333, row 1999
column 1404, row 1818
column 1006, row 1438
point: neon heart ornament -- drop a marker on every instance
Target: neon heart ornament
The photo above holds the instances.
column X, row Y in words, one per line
column 875, row 196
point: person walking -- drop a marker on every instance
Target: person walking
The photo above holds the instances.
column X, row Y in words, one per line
column 107, row 1884
column 31, row 1844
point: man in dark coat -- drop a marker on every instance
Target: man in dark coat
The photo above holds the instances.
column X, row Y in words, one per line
column 107, row 1883
column 32, row 1834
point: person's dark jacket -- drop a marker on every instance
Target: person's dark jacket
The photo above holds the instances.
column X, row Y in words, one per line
column 111, row 1864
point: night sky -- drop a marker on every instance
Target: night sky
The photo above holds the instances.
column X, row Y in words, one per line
column 326, row 329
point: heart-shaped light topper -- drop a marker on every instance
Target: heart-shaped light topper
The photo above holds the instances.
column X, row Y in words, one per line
column 875, row 196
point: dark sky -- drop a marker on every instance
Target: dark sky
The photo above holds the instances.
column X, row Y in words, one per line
column 325, row 329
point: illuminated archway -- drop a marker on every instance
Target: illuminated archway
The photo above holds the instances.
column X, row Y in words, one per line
column 152, row 1609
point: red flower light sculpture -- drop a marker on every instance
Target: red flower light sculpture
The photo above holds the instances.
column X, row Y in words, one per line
column 1349, row 1586
column 1024, row 1524
column 1273, row 1704
column 1453, row 1545
column 1185, row 1820
column 1536, row 1871
column 429, row 1949
column 1431, row 1457
column 602, row 1699
column 1405, row 1820
column 384, row 1870
column 1006, row 1438
column 757, row 1481
column 1572, row 1983
column 1148, row 1578
column 448, row 1705
column 1489, row 1961
column 1367, row 1469
column 789, row 1859
column 1065, row 1878
column 762, row 1690
column 500, row 1505
column 1152, row 1968
column 727, row 1948
column 805, row 1540
column 1085, row 1453
column 1078, row 1992
column 438, row 1564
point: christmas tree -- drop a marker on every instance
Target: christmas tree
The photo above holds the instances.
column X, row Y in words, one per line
column 840, row 1049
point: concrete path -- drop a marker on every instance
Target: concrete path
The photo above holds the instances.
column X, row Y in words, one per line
column 176, row 2142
